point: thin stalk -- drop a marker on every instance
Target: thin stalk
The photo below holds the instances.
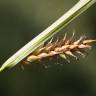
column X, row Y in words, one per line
column 64, row 20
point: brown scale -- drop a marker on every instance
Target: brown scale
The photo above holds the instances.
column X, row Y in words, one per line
column 60, row 48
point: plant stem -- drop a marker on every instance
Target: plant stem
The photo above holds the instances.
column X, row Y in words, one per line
column 74, row 12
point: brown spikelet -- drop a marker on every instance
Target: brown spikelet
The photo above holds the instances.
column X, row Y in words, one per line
column 60, row 48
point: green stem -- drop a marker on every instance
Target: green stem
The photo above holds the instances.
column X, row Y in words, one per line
column 64, row 20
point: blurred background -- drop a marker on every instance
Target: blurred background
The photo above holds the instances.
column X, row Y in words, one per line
column 22, row 20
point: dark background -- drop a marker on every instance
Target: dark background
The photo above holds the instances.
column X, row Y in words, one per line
column 22, row 20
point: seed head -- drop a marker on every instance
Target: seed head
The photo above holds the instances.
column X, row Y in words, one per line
column 62, row 48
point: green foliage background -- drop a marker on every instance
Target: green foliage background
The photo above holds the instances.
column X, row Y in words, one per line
column 22, row 20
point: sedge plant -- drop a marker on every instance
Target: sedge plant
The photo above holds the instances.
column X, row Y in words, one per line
column 48, row 33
